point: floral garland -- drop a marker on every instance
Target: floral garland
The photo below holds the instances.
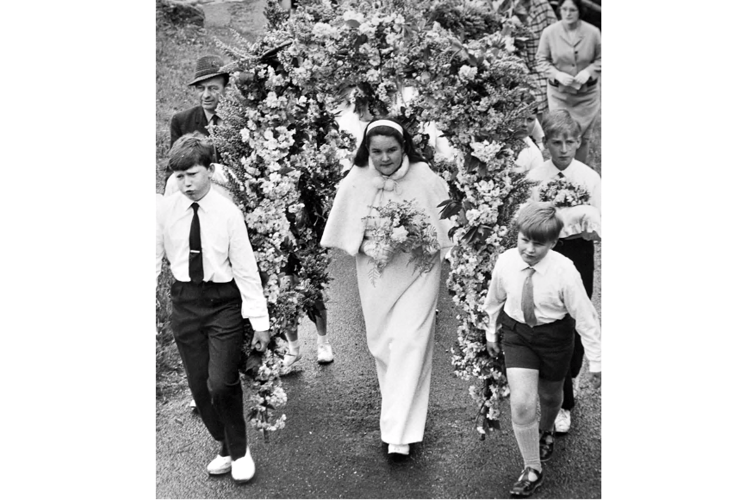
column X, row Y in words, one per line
column 283, row 152
column 563, row 193
column 280, row 136
column 400, row 227
column 476, row 92
column 477, row 95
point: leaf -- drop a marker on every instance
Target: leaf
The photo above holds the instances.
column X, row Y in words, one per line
column 472, row 162
column 470, row 235
column 483, row 169
column 451, row 207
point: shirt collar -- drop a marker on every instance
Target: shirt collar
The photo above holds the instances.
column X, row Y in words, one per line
column 542, row 265
column 570, row 170
column 206, row 203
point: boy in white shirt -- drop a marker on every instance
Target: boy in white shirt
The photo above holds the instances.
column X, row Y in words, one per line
column 538, row 297
column 217, row 284
column 562, row 138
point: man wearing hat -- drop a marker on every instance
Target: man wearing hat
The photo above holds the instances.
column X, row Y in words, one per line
column 210, row 83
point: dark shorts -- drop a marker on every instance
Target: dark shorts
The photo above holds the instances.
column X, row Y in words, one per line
column 546, row 348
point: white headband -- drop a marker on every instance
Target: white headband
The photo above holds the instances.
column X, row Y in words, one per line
column 385, row 123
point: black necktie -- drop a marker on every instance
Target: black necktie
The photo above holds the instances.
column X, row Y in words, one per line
column 195, row 264
column 561, row 176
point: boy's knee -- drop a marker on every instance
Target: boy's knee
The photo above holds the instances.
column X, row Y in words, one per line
column 524, row 410
column 551, row 398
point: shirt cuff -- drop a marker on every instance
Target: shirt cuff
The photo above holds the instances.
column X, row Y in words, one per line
column 490, row 335
column 595, row 366
column 259, row 323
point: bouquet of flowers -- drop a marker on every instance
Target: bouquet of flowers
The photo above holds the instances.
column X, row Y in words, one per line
column 572, row 201
column 400, row 227
column 563, row 193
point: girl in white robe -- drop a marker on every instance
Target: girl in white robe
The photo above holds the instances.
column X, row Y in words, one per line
column 399, row 307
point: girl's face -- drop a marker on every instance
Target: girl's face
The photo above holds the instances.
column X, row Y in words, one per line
column 529, row 124
column 570, row 14
column 385, row 153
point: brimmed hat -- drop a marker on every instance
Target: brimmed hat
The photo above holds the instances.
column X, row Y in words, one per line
column 208, row 67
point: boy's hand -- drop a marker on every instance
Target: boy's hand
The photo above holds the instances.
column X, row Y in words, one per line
column 260, row 340
column 582, row 77
column 493, row 349
column 596, row 378
column 564, row 78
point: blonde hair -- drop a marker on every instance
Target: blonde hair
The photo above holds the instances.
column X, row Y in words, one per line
column 540, row 222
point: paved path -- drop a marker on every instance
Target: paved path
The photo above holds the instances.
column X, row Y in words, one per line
column 331, row 446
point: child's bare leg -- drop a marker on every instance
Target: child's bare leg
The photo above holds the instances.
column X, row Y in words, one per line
column 293, row 349
column 321, row 323
column 523, row 384
column 325, row 354
column 551, row 395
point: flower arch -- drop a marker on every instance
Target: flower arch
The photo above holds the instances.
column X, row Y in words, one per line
column 284, row 150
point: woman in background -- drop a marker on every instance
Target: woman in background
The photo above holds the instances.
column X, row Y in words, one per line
column 569, row 55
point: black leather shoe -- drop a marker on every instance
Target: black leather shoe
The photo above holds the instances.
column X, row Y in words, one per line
column 524, row 487
column 546, row 445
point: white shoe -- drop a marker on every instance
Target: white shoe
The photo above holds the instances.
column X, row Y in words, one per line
column 291, row 359
column 220, row 465
column 192, row 404
column 325, row 354
column 563, row 421
column 399, row 449
column 243, row 468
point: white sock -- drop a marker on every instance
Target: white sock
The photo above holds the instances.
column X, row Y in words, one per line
column 293, row 347
column 322, row 339
column 528, row 441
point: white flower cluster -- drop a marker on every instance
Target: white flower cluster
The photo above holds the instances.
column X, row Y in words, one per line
column 468, row 73
column 485, row 151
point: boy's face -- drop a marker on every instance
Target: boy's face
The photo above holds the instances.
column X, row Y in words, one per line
column 209, row 92
column 195, row 182
column 562, row 148
column 531, row 251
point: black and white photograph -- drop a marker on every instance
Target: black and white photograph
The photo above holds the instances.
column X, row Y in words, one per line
column 389, row 262
column 378, row 249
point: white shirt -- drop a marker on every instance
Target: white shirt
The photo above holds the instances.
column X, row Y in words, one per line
column 529, row 158
column 225, row 248
column 557, row 290
column 577, row 172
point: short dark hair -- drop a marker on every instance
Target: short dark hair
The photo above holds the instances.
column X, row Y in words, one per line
column 189, row 150
column 404, row 139
column 540, row 222
column 560, row 122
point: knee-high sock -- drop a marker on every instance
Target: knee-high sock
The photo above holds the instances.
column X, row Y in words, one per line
column 528, row 441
